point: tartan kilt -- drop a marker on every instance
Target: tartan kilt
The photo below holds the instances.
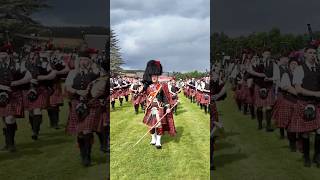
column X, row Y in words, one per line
column 282, row 112
column 56, row 99
column 122, row 93
column 204, row 100
column 143, row 98
column 298, row 124
column 185, row 91
column 15, row 105
column 246, row 95
column 113, row 96
column 198, row 96
column 41, row 102
column 238, row 95
column 116, row 93
column 192, row 92
column 90, row 123
column 127, row 92
column 167, row 122
column 258, row 102
column 104, row 118
column 135, row 99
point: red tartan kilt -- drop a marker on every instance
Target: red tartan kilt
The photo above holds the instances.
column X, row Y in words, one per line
column 185, row 91
column 198, row 96
column 246, row 95
column 298, row 124
column 14, row 107
column 121, row 93
column 152, row 119
column 269, row 101
column 112, row 96
column 116, row 93
column 238, row 95
column 142, row 99
column 56, row 98
column 167, row 122
column 41, row 102
column 127, row 92
column 282, row 112
column 203, row 100
column 91, row 123
column 136, row 100
column 192, row 92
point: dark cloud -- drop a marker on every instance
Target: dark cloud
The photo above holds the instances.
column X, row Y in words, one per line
column 174, row 31
column 75, row 12
column 242, row 17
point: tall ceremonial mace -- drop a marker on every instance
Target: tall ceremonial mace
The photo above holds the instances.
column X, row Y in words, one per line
column 154, row 125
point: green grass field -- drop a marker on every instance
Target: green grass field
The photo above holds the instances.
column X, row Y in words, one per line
column 246, row 153
column 54, row 156
column 185, row 156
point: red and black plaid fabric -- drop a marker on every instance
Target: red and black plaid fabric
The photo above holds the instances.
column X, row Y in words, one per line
column 14, row 107
column 41, row 102
column 269, row 101
column 143, row 98
column 127, row 92
column 246, row 95
column 192, row 92
column 150, row 120
column 282, row 112
column 57, row 97
column 90, row 123
column 121, row 92
column 298, row 124
column 136, row 99
column 198, row 96
column 238, row 95
column 205, row 100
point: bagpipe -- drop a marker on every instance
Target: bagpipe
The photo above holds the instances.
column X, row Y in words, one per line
column 175, row 95
column 57, row 62
column 82, row 109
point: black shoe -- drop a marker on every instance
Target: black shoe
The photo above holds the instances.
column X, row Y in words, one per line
column 34, row 137
column 159, row 147
column 269, row 129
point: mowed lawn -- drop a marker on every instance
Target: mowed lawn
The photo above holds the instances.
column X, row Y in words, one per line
column 54, row 156
column 185, row 156
column 246, row 153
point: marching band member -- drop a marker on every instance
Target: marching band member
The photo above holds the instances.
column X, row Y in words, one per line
column 158, row 104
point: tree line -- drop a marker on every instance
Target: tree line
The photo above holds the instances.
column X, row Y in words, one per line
column 222, row 44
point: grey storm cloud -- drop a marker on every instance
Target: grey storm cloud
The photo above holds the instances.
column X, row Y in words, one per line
column 75, row 13
column 174, row 31
column 243, row 17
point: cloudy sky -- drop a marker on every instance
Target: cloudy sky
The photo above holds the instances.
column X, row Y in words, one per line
column 236, row 17
column 75, row 13
column 174, row 31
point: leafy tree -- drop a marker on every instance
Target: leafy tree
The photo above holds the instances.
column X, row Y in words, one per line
column 15, row 15
column 115, row 56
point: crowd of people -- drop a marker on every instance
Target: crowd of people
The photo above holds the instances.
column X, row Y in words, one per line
column 39, row 78
column 283, row 90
